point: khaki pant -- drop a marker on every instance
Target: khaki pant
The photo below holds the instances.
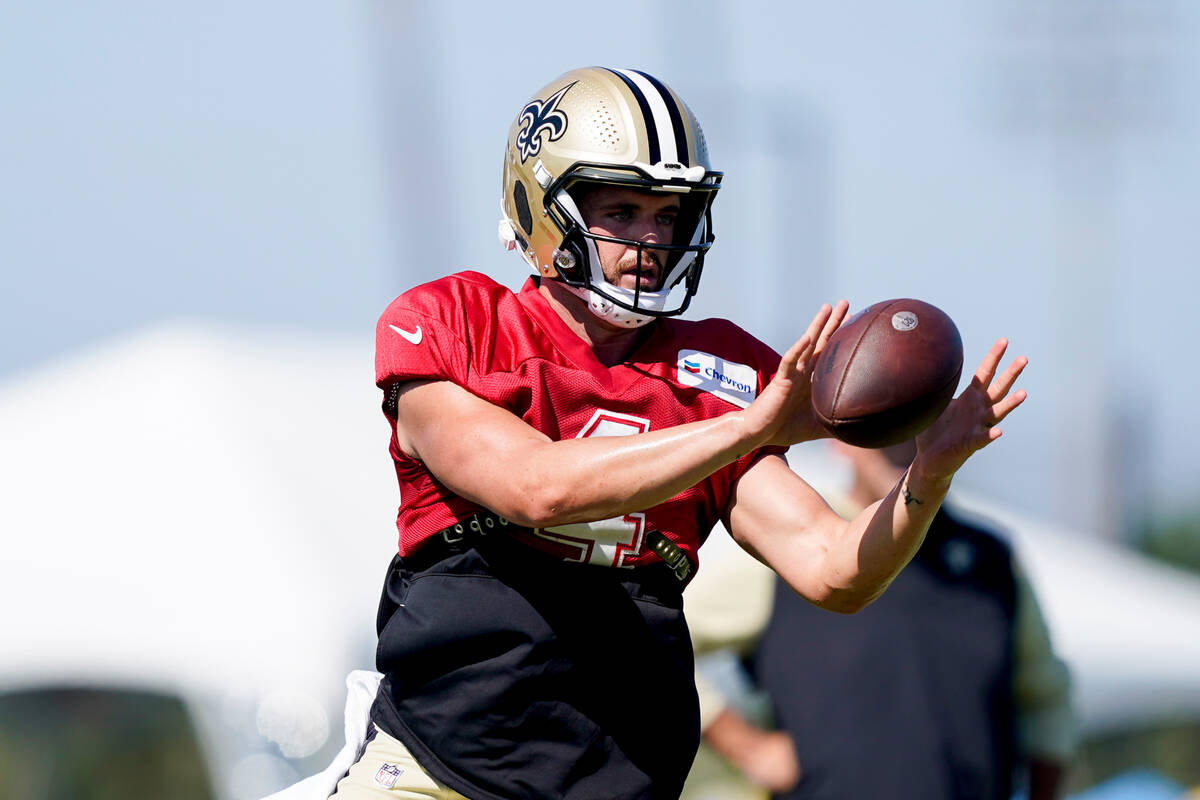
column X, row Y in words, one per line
column 388, row 770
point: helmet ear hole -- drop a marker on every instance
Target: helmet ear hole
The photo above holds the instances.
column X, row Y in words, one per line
column 571, row 259
column 521, row 203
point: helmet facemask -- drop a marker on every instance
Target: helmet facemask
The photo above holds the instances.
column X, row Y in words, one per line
column 607, row 127
column 679, row 263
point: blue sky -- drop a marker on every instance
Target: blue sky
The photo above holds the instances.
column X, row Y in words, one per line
column 1030, row 167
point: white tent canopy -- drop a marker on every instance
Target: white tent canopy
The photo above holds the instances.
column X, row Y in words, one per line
column 210, row 513
column 199, row 513
column 1128, row 626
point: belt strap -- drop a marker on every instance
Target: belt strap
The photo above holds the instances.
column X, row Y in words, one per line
column 671, row 553
column 483, row 522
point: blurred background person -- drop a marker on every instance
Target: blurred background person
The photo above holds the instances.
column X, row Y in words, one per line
column 947, row 686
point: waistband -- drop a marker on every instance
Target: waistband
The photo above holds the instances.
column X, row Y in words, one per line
column 486, row 528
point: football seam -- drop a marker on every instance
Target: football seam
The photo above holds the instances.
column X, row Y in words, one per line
column 851, row 420
column 837, row 394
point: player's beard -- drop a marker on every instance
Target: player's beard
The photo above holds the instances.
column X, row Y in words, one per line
column 651, row 268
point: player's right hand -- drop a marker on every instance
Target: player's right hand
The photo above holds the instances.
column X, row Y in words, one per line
column 782, row 414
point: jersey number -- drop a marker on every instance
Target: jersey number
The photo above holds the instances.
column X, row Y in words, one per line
column 609, row 542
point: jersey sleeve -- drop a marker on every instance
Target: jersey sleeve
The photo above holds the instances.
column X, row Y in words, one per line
column 420, row 337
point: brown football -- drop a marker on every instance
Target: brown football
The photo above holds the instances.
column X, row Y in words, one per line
column 887, row 373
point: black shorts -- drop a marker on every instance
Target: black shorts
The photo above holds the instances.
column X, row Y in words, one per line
column 510, row 674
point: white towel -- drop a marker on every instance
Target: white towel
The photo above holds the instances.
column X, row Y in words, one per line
column 361, row 687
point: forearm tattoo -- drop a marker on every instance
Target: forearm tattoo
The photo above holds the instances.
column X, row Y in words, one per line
column 908, row 496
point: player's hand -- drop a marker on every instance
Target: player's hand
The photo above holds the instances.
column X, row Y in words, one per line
column 969, row 423
column 782, row 414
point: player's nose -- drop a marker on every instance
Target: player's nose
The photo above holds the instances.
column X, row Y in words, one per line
column 648, row 234
column 648, row 229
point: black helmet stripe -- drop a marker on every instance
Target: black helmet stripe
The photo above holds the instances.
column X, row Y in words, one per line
column 681, row 146
column 647, row 114
column 667, row 139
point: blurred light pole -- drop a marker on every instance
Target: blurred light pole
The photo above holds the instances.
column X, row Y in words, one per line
column 1085, row 77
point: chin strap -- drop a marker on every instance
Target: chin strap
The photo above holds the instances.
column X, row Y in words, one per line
column 609, row 311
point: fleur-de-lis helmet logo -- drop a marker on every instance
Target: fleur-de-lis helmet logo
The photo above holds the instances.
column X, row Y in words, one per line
column 541, row 121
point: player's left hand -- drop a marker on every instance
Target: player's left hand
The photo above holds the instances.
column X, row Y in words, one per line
column 969, row 423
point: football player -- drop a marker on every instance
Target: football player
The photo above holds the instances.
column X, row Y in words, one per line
column 563, row 451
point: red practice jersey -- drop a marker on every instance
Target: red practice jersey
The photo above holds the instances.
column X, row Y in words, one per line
column 514, row 351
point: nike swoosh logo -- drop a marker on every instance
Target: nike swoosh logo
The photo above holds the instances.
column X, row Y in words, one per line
column 414, row 337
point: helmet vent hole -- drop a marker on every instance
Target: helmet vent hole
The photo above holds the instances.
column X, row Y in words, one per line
column 601, row 128
column 604, row 130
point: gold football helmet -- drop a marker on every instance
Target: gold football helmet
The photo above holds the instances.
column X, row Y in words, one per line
column 610, row 127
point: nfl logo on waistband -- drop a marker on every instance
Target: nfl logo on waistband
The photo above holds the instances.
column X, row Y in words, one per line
column 387, row 775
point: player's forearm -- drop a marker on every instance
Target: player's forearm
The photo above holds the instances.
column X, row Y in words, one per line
column 492, row 457
column 881, row 540
column 581, row 480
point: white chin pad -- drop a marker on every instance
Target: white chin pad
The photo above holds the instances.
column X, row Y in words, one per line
column 651, row 301
column 609, row 311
